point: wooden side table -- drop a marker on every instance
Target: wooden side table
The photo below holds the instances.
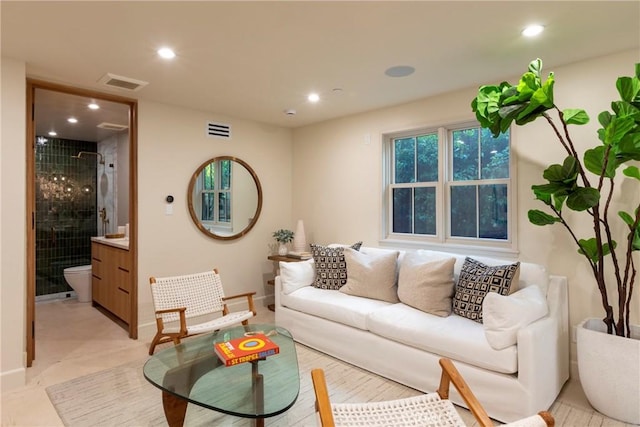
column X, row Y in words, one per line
column 276, row 260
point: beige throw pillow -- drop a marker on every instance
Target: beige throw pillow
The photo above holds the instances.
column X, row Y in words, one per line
column 426, row 283
column 371, row 275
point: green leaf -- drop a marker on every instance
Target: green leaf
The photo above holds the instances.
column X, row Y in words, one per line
column 635, row 242
column 589, row 248
column 625, row 109
column 583, row 198
column 604, row 118
column 617, row 128
column 632, row 172
column 628, row 219
column 594, row 162
column 535, row 66
column 628, row 88
column 543, row 197
column 537, row 217
column 567, row 173
column 629, row 147
column 575, row 117
column 558, row 202
column 552, row 188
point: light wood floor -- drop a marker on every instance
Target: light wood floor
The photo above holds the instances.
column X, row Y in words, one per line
column 73, row 339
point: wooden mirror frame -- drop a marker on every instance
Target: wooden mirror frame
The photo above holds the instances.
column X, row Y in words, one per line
column 192, row 211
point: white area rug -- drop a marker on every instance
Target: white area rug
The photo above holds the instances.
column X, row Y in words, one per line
column 121, row 396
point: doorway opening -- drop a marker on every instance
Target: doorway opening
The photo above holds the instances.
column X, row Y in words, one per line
column 81, row 183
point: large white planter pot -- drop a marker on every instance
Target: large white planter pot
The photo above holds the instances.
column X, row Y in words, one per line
column 609, row 368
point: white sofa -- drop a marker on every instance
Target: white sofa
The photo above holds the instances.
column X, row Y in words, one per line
column 404, row 344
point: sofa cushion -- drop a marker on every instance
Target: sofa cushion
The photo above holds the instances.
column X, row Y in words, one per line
column 371, row 275
column 332, row 305
column 503, row 316
column 455, row 337
column 426, row 282
column 331, row 268
column 475, row 281
column 295, row 275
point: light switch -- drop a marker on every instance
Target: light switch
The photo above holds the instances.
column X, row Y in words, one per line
column 168, row 209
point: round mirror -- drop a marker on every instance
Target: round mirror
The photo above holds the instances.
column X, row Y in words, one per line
column 225, row 198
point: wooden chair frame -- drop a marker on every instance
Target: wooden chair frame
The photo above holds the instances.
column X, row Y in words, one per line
column 449, row 375
column 163, row 336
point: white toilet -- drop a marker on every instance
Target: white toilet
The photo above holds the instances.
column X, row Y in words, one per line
column 79, row 278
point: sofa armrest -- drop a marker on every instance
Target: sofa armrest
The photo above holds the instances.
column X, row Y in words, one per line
column 543, row 346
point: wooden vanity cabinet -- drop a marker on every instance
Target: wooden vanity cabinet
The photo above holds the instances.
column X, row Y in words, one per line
column 111, row 279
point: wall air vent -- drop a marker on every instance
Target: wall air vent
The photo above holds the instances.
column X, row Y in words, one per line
column 112, row 126
column 120, row 82
column 218, row 130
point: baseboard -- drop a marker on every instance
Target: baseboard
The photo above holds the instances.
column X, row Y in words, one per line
column 13, row 379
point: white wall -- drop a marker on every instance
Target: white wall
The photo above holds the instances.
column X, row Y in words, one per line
column 171, row 145
column 12, row 225
column 337, row 175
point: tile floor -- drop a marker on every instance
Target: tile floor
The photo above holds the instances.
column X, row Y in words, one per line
column 74, row 339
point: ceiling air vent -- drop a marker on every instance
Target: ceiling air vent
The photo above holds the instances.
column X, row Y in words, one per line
column 120, row 82
column 112, row 126
column 219, row 130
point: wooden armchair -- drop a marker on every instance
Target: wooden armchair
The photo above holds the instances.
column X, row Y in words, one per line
column 179, row 298
column 427, row 410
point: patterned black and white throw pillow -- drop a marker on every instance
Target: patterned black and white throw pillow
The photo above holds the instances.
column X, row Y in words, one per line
column 331, row 267
column 475, row 281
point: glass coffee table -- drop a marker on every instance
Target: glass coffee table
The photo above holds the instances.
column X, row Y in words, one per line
column 191, row 372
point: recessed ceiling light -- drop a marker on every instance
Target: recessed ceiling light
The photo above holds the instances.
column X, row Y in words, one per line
column 52, row 133
column 166, row 53
column 93, row 106
column 532, row 30
column 72, row 120
column 400, row 71
column 313, row 97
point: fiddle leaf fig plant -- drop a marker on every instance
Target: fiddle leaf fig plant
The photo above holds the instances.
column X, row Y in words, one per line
column 583, row 183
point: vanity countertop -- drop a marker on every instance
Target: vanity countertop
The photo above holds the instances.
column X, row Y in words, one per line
column 122, row 243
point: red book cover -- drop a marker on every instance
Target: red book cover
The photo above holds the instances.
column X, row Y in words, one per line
column 245, row 349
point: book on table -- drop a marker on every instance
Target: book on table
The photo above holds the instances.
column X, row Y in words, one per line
column 245, row 349
column 300, row 255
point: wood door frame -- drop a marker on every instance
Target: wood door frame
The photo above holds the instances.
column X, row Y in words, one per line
column 32, row 85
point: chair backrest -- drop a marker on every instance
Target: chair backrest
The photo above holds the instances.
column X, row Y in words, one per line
column 199, row 293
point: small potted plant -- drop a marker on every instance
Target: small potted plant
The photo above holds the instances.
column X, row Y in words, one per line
column 283, row 237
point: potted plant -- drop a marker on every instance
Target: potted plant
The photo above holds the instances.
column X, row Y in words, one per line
column 283, row 237
column 586, row 183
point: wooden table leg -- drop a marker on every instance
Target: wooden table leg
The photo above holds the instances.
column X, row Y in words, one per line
column 175, row 409
column 258, row 392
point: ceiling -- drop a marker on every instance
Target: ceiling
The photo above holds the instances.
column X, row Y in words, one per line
column 254, row 60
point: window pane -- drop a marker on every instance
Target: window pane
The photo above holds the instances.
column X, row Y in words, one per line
column 463, row 211
column 465, row 154
column 405, row 158
column 224, row 207
column 493, row 211
column 402, row 216
column 427, row 158
column 495, row 155
column 208, row 177
column 207, row 206
column 225, row 174
column 425, row 210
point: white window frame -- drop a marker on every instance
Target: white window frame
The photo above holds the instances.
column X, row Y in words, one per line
column 443, row 240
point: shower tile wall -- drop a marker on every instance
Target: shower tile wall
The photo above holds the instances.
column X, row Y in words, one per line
column 66, row 214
